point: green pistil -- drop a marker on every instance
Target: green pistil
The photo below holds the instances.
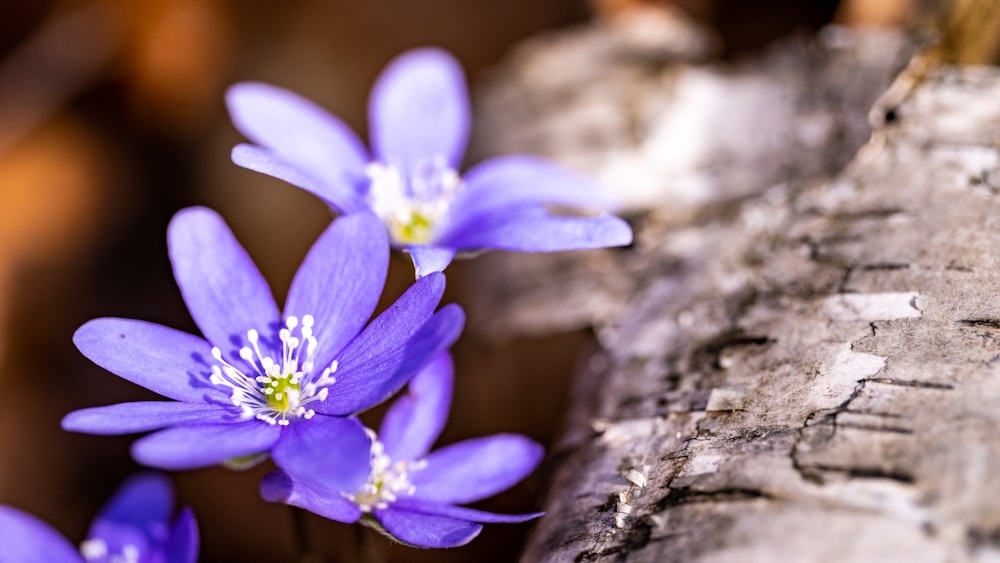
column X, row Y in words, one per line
column 416, row 231
column 277, row 391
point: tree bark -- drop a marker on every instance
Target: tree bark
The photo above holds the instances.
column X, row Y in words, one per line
column 799, row 362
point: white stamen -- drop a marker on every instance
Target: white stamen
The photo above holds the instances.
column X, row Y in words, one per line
column 413, row 203
column 274, row 391
column 130, row 554
column 93, row 549
column 387, row 481
column 96, row 549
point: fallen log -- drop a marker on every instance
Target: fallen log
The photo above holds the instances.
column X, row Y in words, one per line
column 798, row 359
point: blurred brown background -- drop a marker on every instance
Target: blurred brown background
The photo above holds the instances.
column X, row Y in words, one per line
column 111, row 119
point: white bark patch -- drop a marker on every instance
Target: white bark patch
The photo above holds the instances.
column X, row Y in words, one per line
column 902, row 501
column 838, row 382
column 636, row 477
column 872, row 306
column 623, row 432
column 622, row 509
column 856, row 365
column 725, row 400
column 702, row 464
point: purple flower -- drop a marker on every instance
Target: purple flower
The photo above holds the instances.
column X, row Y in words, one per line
column 134, row 526
column 255, row 384
column 419, row 121
column 412, row 495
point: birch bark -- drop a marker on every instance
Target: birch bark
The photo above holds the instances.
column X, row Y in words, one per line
column 798, row 359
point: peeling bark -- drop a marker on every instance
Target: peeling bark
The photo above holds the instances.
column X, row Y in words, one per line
column 802, row 364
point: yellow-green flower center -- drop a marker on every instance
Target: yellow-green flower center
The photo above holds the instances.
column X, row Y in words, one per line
column 283, row 391
column 415, row 231
column 276, row 391
column 387, row 481
column 413, row 203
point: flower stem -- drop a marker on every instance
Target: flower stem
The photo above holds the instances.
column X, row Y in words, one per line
column 300, row 535
column 366, row 550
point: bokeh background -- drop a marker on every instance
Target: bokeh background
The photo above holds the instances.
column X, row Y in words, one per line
column 112, row 119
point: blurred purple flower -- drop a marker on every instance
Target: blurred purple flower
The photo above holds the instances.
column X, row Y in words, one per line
column 254, row 385
column 134, row 526
column 419, row 123
column 412, row 495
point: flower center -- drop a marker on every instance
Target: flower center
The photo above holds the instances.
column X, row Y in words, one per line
column 387, row 481
column 412, row 203
column 281, row 391
column 96, row 549
column 276, row 391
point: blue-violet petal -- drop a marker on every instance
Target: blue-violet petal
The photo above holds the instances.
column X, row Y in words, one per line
column 172, row 363
column 190, row 447
column 277, row 486
column 429, row 259
column 535, row 229
column 328, row 452
column 460, row 512
column 419, row 109
column 127, row 418
column 415, row 420
column 26, row 539
column 183, row 544
column 340, row 281
column 224, row 291
column 366, row 380
column 342, row 196
column 299, row 131
column 475, row 469
column 503, row 184
column 426, row 530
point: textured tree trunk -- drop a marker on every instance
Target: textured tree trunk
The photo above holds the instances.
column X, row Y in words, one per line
column 798, row 359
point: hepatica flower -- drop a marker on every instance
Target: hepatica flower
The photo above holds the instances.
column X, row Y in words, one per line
column 135, row 526
column 419, row 122
column 261, row 381
column 410, row 494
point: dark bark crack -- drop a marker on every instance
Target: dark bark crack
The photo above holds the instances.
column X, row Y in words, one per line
column 912, row 383
column 980, row 323
column 687, row 495
column 862, row 472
